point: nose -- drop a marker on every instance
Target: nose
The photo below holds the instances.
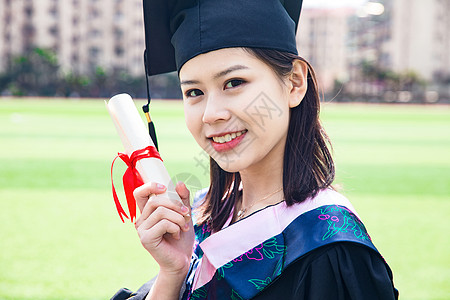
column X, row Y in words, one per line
column 215, row 110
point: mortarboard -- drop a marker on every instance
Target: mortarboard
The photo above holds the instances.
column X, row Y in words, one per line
column 178, row 30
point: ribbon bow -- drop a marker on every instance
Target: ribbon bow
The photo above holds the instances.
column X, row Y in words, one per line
column 131, row 178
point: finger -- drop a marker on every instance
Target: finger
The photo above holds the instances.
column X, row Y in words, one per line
column 161, row 201
column 183, row 192
column 163, row 213
column 145, row 191
column 155, row 234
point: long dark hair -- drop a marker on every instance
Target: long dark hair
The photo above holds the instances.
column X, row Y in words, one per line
column 307, row 167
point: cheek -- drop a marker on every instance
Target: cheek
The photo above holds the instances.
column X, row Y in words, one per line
column 266, row 106
column 193, row 119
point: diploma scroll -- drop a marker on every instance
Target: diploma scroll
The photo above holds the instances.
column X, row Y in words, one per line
column 134, row 137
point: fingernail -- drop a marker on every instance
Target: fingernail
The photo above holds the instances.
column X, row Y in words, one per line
column 184, row 209
column 160, row 186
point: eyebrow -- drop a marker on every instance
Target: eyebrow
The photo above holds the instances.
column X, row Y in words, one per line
column 229, row 70
column 218, row 75
column 187, row 82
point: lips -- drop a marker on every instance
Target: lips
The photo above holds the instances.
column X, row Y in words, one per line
column 228, row 141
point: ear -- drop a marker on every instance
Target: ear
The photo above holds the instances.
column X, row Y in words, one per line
column 298, row 83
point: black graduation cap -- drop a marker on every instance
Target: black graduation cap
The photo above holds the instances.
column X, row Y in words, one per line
column 178, row 30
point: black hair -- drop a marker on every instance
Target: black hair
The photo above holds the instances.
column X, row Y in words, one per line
column 307, row 166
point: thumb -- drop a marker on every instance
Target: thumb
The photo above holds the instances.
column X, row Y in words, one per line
column 184, row 193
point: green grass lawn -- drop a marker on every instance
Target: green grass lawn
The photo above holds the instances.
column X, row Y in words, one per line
column 62, row 239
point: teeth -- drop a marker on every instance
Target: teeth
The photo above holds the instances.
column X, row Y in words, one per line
column 228, row 137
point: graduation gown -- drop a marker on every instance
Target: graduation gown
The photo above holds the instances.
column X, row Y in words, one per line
column 317, row 249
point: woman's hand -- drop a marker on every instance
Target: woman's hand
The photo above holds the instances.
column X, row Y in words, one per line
column 165, row 228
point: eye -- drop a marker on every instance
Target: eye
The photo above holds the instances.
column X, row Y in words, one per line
column 234, row 83
column 194, row 93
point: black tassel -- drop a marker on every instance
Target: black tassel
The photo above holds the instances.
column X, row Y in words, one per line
column 151, row 126
column 146, row 107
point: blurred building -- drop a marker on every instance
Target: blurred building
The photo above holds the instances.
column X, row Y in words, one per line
column 83, row 33
column 420, row 36
column 350, row 49
column 322, row 41
column 385, row 39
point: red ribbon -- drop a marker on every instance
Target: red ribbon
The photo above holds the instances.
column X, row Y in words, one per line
column 131, row 178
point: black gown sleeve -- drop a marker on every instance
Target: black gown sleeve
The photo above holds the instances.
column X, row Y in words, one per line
column 140, row 294
column 337, row 271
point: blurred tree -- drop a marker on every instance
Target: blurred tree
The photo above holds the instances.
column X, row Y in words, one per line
column 74, row 85
column 34, row 73
column 37, row 73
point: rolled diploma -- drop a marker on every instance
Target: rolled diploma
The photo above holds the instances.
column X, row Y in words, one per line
column 134, row 136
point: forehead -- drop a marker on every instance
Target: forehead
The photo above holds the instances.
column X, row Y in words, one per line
column 216, row 61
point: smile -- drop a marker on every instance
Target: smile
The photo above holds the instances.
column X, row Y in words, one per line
column 228, row 137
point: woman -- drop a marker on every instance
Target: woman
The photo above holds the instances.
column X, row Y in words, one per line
column 270, row 226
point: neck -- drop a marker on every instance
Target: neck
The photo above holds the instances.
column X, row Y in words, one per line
column 262, row 180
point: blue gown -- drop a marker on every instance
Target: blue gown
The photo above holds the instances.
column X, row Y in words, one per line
column 318, row 249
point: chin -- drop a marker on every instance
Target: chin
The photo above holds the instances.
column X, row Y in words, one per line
column 230, row 169
column 230, row 164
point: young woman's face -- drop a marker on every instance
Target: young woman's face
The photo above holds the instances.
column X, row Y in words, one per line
column 236, row 108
